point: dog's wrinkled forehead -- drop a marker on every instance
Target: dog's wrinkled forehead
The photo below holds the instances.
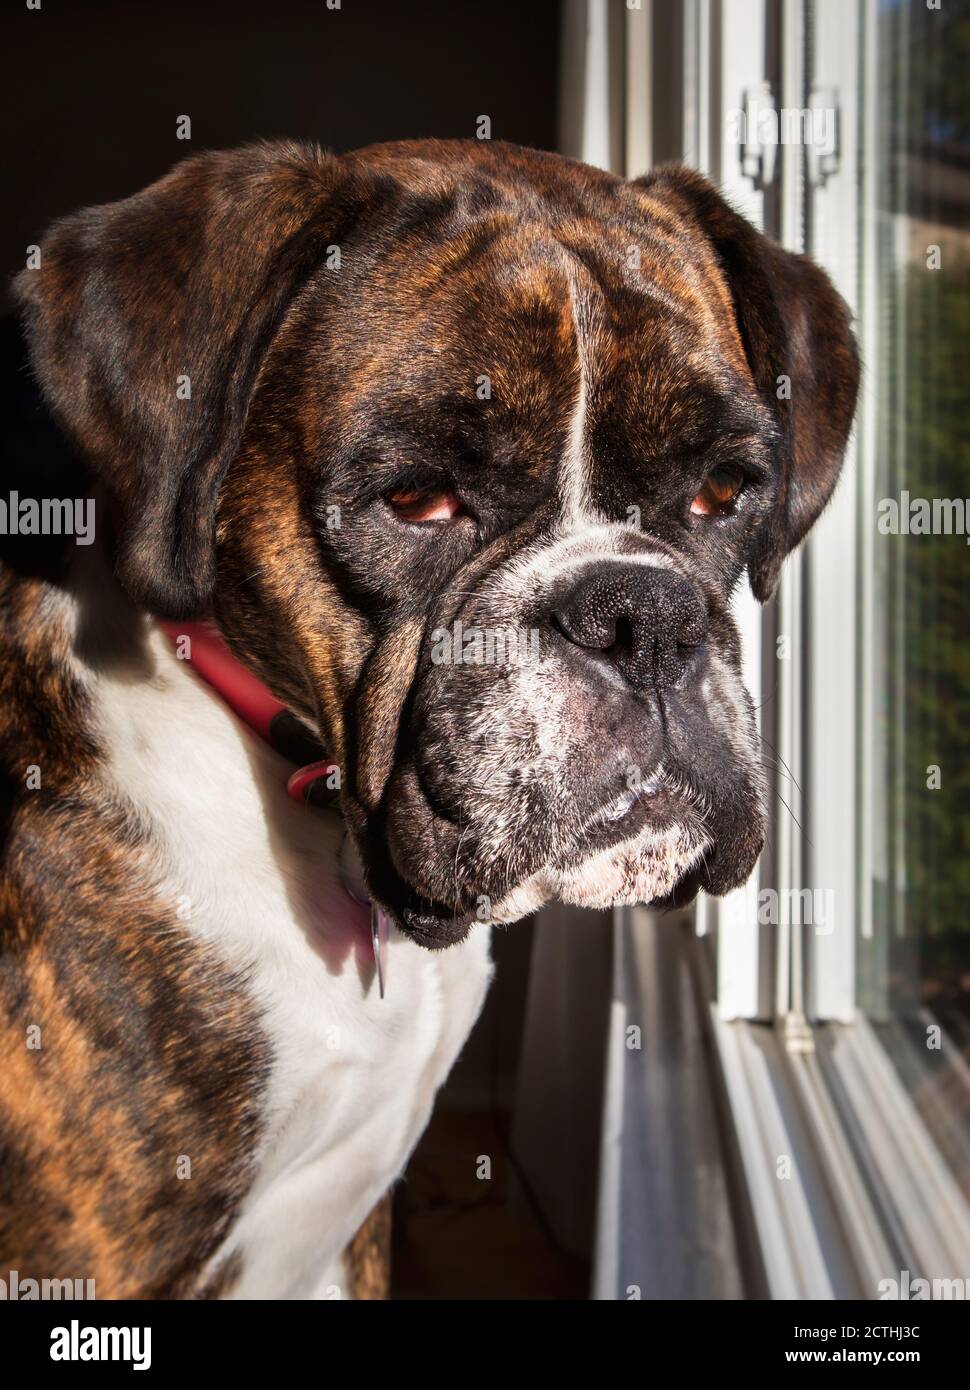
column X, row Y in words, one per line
column 525, row 361
column 454, row 358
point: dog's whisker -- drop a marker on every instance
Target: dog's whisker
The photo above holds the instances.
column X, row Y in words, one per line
column 249, row 577
column 781, row 760
column 796, row 820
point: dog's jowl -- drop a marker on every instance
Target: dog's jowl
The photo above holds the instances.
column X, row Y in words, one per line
column 461, row 450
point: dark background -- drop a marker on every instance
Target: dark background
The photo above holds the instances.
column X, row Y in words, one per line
column 91, row 91
column 91, row 94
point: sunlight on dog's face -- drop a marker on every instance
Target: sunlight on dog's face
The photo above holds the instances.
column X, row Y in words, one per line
column 480, row 442
column 533, row 505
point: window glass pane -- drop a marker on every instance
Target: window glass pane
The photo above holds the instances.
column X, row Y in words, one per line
column 914, row 969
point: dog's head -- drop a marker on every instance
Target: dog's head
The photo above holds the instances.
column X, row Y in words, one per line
column 466, row 447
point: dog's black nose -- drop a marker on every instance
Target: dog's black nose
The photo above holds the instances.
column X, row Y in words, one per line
column 644, row 620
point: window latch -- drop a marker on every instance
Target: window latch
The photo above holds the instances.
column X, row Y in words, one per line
column 758, row 135
column 824, row 145
column 816, row 128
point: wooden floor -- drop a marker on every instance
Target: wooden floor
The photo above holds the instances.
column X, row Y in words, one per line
column 458, row 1236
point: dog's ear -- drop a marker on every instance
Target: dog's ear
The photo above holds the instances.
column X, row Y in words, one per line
column 797, row 335
column 147, row 322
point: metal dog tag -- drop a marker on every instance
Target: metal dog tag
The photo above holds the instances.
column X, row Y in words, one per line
column 378, row 936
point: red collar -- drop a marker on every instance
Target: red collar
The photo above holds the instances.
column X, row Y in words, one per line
column 248, row 697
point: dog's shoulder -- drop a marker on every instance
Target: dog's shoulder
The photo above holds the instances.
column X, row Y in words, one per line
column 133, row 1065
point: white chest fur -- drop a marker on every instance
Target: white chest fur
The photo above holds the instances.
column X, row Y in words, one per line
column 353, row 1076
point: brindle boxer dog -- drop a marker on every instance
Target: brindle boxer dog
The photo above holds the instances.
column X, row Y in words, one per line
column 537, row 398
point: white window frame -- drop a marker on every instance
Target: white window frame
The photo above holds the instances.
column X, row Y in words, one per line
column 798, row 1073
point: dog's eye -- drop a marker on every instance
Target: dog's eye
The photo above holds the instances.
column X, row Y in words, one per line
column 721, row 490
column 425, row 504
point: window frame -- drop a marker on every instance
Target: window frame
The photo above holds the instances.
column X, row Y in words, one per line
column 795, row 1073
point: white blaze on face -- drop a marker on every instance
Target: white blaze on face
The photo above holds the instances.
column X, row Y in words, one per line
column 528, row 731
column 537, row 699
column 576, row 510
